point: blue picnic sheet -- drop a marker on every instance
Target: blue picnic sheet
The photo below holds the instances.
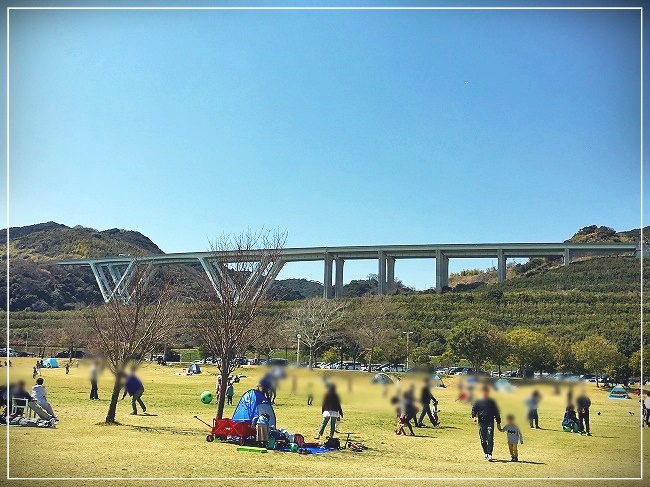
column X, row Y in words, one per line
column 313, row 450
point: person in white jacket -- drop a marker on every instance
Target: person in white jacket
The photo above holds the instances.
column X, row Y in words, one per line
column 40, row 395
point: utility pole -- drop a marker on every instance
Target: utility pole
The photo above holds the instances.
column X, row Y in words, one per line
column 298, row 352
column 407, row 333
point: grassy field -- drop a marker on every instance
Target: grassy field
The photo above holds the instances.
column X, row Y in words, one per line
column 172, row 443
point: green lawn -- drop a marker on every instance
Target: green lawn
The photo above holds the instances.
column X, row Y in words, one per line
column 172, row 444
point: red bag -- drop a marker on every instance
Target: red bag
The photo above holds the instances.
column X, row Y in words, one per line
column 299, row 440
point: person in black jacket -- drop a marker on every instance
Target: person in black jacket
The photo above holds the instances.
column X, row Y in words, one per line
column 426, row 398
column 331, row 411
column 485, row 412
column 583, row 403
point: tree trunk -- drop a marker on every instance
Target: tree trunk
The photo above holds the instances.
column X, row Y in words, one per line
column 311, row 357
column 370, row 359
column 221, row 399
column 597, row 380
column 115, row 396
column 499, row 369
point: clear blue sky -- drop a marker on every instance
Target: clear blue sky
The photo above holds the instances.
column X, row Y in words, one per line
column 342, row 127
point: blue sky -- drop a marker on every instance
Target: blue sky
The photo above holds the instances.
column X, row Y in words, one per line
column 341, row 127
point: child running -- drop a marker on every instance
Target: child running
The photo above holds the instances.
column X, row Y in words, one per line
column 514, row 437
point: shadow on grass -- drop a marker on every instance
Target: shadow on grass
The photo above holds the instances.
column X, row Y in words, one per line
column 165, row 430
column 520, row 461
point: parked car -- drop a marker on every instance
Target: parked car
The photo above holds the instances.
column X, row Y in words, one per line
column 8, row 352
column 352, row 366
column 394, row 368
column 278, row 362
column 464, row 371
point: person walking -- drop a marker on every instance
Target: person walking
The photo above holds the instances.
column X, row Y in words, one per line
column 485, row 412
column 533, row 403
column 134, row 388
column 584, row 403
column 331, row 411
column 646, row 409
column 514, row 436
column 94, row 373
column 67, row 368
column 408, row 410
column 230, row 392
column 426, row 398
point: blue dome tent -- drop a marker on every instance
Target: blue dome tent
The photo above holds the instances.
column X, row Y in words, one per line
column 251, row 405
column 50, row 363
column 194, row 369
column 618, row 392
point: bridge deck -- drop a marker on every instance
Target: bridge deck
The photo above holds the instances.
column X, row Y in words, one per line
column 392, row 251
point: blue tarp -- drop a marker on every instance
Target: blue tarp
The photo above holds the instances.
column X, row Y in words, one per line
column 194, row 369
column 312, row 450
column 50, row 363
column 251, row 405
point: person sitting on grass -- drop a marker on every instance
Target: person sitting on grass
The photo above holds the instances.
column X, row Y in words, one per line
column 134, row 388
column 19, row 392
column 40, row 396
column 570, row 421
column 514, row 437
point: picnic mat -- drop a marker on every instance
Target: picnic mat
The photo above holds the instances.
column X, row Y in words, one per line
column 312, row 450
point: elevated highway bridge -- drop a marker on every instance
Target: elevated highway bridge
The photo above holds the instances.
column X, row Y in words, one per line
column 113, row 273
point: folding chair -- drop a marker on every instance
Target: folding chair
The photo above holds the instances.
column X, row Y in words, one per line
column 21, row 404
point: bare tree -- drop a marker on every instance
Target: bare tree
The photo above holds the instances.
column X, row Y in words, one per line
column 125, row 331
column 315, row 320
column 240, row 271
column 74, row 334
column 274, row 339
column 372, row 317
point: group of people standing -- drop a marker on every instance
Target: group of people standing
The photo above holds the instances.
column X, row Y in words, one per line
column 576, row 418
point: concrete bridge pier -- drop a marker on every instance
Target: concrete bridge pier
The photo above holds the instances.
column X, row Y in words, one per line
column 327, row 278
column 338, row 283
column 501, row 266
column 390, row 272
column 442, row 271
column 567, row 256
column 381, row 275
